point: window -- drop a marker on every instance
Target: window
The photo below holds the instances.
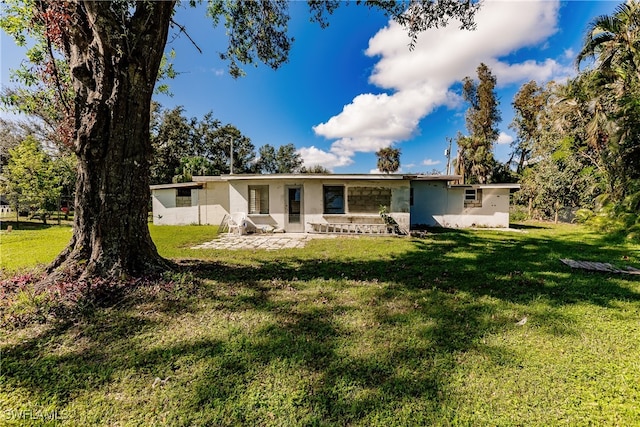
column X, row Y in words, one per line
column 470, row 195
column 368, row 199
column 258, row 199
column 183, row 197
column 333, row 198
column 473, row 197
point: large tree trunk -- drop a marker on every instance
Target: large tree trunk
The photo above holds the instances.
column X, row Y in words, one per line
column 114, row 63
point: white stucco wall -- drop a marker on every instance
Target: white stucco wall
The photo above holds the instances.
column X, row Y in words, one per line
column 165, row 211
column 239, row 201
column 435, row 204
column 209, row 205
column 214, row 202
column 430, row 203
column 312, row 201
column 494, row 211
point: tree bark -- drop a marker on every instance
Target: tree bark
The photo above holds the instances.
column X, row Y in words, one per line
column 114, row 62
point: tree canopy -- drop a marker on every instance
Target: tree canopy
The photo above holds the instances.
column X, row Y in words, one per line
column 579, row 142
column 475, row 160
column 388, row 159
column 285, row 159
column 31, row 179
column 184, row 147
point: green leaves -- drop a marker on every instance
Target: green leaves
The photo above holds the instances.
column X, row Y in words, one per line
column 475, row 157
column 16, row 18
column 31, row 178
column 284, row 160
column 388, row 159
column 257, row 31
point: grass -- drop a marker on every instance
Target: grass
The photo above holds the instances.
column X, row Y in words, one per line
column 367, row 331
column 32, row 243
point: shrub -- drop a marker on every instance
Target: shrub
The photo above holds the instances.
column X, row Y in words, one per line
column 584, row 215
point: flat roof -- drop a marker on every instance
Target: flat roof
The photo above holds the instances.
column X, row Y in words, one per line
column 512, row 186
column 177, row 185
column 434, row 177
column 328, row 176
column 199, row 181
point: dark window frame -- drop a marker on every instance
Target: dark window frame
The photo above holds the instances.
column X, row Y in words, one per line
column 183, row 197
column 470, row 192
column 326, row 193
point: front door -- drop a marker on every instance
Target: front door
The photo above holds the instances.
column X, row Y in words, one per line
column 295, row 223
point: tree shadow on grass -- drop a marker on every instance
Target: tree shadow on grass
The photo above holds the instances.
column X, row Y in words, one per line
column 520, row 226
column 29, row 225
column 435, row 285
column 385, row 352
column 511, row 269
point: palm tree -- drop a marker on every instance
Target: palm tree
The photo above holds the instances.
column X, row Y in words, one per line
column 612, row 40
column 388, row 159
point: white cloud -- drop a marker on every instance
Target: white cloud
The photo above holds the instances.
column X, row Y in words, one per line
column 570, row 54
column 314, row 156
column 348, row 147
column 504, row 138
column 431, row 162
column 420, row 79
column 550, row 69
column 378, row 120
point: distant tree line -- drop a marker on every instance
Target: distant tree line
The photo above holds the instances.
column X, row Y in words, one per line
column 184, row 147
column 36, row 178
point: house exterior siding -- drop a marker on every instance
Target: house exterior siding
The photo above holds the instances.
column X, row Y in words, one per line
column 165, row 210
column 414, row 201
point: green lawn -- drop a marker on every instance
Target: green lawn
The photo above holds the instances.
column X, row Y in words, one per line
column 349, row 331
column 35, row 244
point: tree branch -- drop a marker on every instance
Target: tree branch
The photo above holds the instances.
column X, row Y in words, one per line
column 56, row 76
column 184, row 31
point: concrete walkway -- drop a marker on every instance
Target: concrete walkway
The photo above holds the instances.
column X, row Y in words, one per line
column 269, row 242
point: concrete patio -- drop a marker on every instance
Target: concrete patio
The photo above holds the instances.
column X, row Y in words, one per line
column 270, row 242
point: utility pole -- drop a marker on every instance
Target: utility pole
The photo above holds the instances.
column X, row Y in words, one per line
column 447, row 153
column 231, row 156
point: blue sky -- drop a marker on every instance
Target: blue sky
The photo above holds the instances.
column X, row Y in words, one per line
column 355, row 87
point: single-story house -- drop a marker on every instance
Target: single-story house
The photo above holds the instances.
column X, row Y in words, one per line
column 331, row 202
